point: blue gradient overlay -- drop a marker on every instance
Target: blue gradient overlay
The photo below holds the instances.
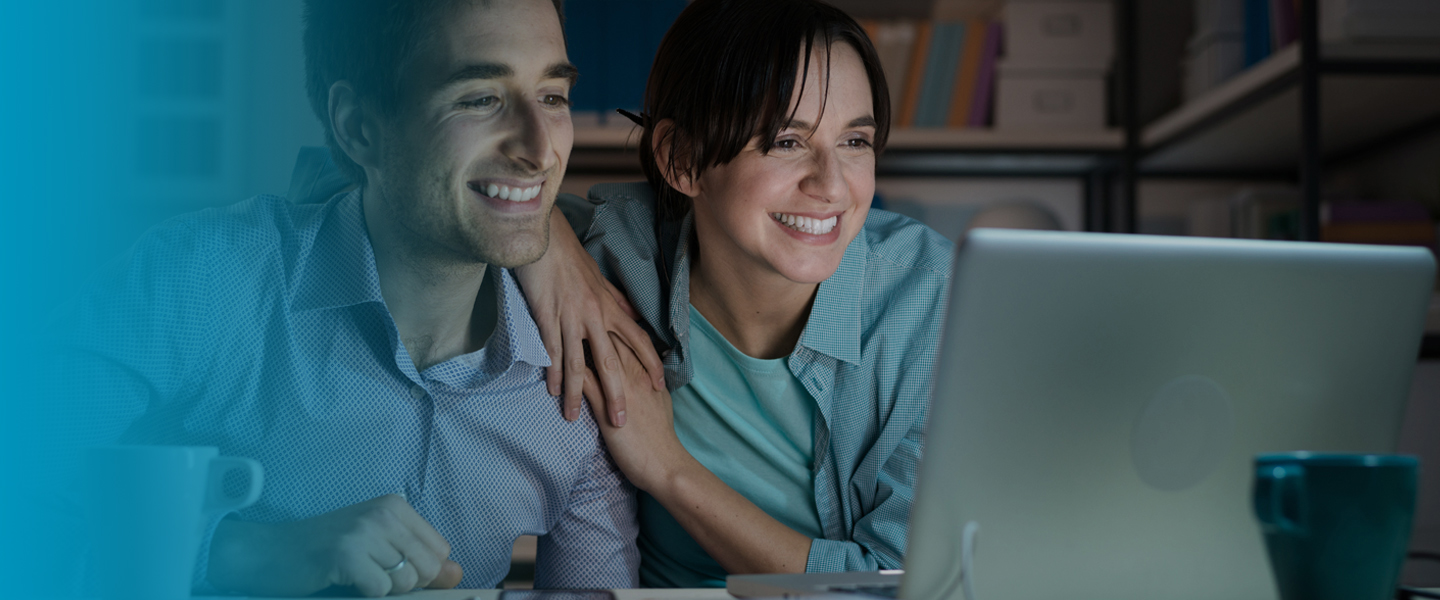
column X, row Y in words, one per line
column 117, row 114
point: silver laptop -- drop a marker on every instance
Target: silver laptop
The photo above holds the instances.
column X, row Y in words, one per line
column 1099, row 399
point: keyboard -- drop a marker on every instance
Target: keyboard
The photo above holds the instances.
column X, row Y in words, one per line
column 881, row 591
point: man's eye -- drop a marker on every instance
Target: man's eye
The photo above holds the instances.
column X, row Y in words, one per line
column 482, row 102
column 555, row 100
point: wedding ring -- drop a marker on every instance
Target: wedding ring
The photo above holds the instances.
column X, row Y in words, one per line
column 398, row 566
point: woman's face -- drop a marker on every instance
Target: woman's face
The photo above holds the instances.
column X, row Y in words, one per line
column 791, row 212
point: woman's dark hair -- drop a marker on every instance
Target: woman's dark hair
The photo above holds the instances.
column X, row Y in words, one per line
column 726, row 72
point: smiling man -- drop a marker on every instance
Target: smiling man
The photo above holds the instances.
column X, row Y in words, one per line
column 373, row 352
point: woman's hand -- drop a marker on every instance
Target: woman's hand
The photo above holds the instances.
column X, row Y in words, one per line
column 731, row 529
column 646, row 450
column 572, row 303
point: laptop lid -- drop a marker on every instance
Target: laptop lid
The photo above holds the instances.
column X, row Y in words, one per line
column 1099, row 399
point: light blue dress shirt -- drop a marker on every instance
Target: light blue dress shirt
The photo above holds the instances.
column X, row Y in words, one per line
column 752, row 424
column 866, row 355
column 260, row 328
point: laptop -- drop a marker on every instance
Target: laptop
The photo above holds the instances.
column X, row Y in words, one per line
column 1099, row 398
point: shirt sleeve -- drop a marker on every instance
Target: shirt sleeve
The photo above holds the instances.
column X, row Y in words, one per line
column 593, row 545
column 879, row 537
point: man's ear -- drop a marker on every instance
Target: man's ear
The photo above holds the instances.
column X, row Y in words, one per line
column 679, row 178
column 354, row 126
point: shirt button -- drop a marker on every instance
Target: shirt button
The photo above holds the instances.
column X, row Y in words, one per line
column 417, row 392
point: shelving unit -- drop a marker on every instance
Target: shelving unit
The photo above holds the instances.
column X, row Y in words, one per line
column 1353, row 100
column 1367, row 96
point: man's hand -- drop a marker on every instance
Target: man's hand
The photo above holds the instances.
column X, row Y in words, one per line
column 572, row 303
column 353, row 546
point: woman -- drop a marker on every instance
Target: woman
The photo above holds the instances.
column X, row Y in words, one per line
column 798, row 327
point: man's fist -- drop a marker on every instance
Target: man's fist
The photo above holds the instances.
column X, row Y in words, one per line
column 381, row 546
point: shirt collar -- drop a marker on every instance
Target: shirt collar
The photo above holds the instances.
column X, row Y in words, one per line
column 340, row 270
column 833, row 328
column 515, row 330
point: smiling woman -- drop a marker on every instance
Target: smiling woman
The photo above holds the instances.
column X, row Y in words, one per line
column 798, row 326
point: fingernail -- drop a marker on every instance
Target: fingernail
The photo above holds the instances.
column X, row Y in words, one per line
column 619, row 418
column 574, row 414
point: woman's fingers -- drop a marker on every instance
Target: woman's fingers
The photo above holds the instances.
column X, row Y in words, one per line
column 612, row 377
column 592, row 390
column 550, row 336
column 620, row 299
column 574, row 373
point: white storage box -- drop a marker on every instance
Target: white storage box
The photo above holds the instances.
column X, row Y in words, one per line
column 1033, row 97
column 1389, row 20
column 1212, row 60
column 1078, row 33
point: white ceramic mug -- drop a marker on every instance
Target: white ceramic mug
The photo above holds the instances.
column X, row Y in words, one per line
column 147, row 507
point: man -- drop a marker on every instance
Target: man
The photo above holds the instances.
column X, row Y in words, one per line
column 373, row 352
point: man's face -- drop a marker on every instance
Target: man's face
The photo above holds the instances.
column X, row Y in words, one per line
column 472, row 160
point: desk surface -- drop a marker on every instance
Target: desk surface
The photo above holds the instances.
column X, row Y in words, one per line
column 637, row 594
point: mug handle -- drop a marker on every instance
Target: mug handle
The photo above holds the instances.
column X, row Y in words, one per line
column 216, row 500
column 1274, row 484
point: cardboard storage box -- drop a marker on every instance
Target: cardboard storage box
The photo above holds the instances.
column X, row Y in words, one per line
column 1037, row 97
column 1060, row 32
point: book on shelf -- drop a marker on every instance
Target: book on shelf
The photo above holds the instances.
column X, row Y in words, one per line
column 1270, row 25
column 941, row 72
column 1395, row 223
column 946, row 44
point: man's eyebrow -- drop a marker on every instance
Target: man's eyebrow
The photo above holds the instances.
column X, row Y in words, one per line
column 563, row 70
column 480, row 71
column 559, row 70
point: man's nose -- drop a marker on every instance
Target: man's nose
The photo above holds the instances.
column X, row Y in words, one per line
column 528, row 143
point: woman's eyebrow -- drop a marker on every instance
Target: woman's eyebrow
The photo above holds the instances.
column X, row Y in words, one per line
column 865, row 121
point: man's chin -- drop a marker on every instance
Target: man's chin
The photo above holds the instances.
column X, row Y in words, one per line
column 516, row 251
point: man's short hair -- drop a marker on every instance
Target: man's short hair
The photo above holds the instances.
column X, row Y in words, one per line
column 368, row 43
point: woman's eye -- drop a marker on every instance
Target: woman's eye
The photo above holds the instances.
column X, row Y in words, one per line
column 787, row 144
column 858, row 143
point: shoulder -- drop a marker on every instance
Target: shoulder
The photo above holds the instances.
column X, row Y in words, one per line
column 232, row 252
column 629, row 205
column 904, row 252
column 258, row 224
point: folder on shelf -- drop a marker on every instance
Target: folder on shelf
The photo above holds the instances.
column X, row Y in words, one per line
column 1257, row 31
column 941, row 63
column 985, row 84
column 916, row 73
column 968, row 75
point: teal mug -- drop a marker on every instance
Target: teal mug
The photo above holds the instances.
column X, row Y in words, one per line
column 1336, row 525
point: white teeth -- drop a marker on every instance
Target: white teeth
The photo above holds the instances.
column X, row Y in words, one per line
column 505, row 192
column 808, row 225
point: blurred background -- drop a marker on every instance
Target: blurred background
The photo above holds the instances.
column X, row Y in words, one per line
column 1226, row 118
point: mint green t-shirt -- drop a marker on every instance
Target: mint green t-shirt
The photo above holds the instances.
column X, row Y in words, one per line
column 749, row 421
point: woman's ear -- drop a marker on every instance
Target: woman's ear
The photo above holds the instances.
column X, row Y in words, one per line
column 353, row 126
column 663, row 142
